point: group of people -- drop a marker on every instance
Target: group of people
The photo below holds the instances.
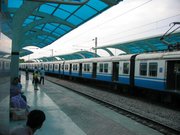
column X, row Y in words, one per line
column 17, row 98
column 18, row 101
column 38, row 76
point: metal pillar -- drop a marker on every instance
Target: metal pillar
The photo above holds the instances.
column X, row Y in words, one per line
column 14, row 60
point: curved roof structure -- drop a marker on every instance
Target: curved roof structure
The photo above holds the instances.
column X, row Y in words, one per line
column 143, row 45
column 72, row 56
column 25, row 52
column 41, row 22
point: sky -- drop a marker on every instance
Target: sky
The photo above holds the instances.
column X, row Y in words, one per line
column 128, row 21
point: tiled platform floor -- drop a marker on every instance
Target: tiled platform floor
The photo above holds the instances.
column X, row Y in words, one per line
column 71, row 114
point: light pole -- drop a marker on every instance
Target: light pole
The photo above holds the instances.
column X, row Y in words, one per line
column 95, row 48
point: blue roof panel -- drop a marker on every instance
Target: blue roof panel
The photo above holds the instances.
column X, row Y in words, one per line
column 46, row 18
column 60, row 31
column 69, row 8
column 15, row 3
column 39, row 26
column 75, row 20
column 61, row 14
column 56, row 34
column 98, row 5
column 66, row 28
column 51, row 38
column 47, row 9
column 47, row 30
column 85, row 12
column 50, row 27
column 53, row 4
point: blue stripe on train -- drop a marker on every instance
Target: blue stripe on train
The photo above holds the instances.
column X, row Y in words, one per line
column 151, row 84
column 104, row 77
column 87, row 75
column 56, row 72
column 74, row 74
column 124, row 80
column 66, row 73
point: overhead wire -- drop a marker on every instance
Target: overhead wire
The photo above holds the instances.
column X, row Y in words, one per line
column 94, row 27
column 144, row 25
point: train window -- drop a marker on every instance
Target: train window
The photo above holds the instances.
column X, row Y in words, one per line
column 100, row 67
column 62, row 67
column 143, row 69
column 50, row 66
column 177, row 68
column 7, row 65
column 75, row 67
column 153, row 69
column 86, row 67
column 66, row 67
column 46, row 66
column 56, row 67
column 106, row 67
column 125, row 68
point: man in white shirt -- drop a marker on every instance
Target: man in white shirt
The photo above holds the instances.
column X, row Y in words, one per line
column 42, row 74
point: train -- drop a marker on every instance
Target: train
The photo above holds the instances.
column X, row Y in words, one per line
column 155, row 71
column 5, row 67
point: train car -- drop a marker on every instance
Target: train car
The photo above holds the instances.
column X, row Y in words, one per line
column 50, row 67
column 104, row 69
column 1, row 64
column 4, row 66
column 121, row 69
column 89, row 68
column 76, row 69
column 155, row 71
column 56, row 68
column 72, row 68
column 158, row 71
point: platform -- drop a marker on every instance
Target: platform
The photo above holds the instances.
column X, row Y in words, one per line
column 68, row 113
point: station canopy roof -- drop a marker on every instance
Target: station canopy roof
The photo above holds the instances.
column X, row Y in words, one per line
column 144, row 45
column 41, row 22
column 72, row 56
column 25, row 52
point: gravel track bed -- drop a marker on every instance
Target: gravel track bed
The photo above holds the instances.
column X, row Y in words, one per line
column 163, row 115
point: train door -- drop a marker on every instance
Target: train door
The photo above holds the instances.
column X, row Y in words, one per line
column 53, row 67
column 80, row 69
column 173, row 75
column 70, row 69
column 115, row 71
column 59, row 68
column 94, row 71
column 63, row 67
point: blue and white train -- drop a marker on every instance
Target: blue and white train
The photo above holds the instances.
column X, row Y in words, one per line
column 158, row 71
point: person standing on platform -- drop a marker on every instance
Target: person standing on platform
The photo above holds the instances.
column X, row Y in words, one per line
column 34, row 122
column 42, row 74
column 35, row 69
column 27, row 73
column 36, row 80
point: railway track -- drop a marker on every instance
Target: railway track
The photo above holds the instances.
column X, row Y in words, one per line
column 165, row 129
